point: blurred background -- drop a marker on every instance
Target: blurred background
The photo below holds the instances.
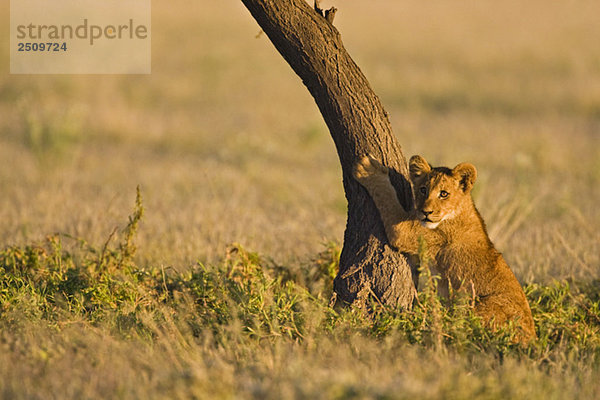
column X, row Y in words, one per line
column 228, row 146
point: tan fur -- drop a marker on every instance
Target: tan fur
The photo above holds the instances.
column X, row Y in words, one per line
column 455, row 235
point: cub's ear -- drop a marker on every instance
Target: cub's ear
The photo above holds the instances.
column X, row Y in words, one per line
column 466, row 175
column 418, row 166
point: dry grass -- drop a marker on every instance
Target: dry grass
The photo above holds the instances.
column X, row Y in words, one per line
column 228, row 146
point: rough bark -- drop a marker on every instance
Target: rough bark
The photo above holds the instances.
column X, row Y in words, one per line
column 359, row 125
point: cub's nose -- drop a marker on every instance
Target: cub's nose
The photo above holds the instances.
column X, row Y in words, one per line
column 427, row 213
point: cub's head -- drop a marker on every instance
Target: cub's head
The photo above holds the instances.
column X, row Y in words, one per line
column 440, row 193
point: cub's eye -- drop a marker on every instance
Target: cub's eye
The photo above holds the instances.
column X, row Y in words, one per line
column 423, row 190
column 444, row 194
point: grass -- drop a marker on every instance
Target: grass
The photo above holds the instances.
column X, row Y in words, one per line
column 247, row 327
column 228, row 147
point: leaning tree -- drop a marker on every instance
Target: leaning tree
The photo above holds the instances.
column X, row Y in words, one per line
column 306, row 38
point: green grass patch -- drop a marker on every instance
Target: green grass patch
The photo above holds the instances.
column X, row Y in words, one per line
column 65, row 279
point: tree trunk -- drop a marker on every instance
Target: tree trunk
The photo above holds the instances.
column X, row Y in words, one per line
column 359, row 125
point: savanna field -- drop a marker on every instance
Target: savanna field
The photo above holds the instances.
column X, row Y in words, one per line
column 175, row 235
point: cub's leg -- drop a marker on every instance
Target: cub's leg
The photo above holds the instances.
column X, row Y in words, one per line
column 402, row 231
column 497, row 309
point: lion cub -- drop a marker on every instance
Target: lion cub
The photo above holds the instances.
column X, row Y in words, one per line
column 455, row 235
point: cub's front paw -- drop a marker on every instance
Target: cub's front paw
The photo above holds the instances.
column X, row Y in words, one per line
column 368, row 167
